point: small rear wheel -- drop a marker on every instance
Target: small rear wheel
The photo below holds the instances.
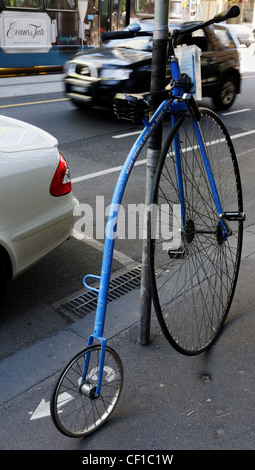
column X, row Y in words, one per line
column 76, row 410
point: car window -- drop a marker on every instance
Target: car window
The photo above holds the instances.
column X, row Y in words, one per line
column 198, row 38
column 138, row 44
column 225, row 37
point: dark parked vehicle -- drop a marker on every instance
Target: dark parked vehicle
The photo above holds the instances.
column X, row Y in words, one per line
column 94, row 76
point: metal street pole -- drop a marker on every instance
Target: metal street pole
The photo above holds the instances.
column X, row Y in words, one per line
column 160, row 35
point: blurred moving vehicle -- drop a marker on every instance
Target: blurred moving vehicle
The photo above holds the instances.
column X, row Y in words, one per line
column 243, row 33
column 93, row 77
column 36, row 197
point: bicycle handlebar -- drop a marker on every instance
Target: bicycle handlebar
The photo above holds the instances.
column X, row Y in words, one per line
column 106, row 35
column 232, row 12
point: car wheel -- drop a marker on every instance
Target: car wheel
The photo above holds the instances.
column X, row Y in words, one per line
column 226, row 94
column 3, row 281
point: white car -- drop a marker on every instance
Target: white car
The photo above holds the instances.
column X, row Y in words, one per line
column 243, row 33
column 37, row 203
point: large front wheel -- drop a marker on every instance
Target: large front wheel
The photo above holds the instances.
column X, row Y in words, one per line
column 76, row 409
column 193, row 261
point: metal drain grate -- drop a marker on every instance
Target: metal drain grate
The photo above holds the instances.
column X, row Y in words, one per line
column 87, row 302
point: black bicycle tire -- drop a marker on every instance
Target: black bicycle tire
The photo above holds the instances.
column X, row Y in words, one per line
column 57, row 390
column 151, row 261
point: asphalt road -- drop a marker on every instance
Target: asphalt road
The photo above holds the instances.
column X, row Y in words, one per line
column 88, row 144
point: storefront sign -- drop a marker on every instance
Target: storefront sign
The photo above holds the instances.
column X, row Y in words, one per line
column 25, row 32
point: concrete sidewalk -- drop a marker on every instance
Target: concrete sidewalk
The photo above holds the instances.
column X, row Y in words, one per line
column 31, row 85
column 168, row 401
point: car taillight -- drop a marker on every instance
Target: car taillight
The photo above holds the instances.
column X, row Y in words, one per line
column 61, row 183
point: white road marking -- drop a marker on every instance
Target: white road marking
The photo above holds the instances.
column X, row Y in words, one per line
column 120, row 136
column 141, row 162
column 104, row 172
column 236, row 112
column 43, row 409
column 117, row 255
column 242, row 134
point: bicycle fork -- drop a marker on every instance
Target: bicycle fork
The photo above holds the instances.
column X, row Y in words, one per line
column 223, row 216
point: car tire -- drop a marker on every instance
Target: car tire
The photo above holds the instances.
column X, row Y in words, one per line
column 3, row 281
column 226, row 94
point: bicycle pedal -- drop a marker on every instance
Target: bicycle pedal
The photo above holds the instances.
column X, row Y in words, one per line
column 176, row 254
column 233, row 215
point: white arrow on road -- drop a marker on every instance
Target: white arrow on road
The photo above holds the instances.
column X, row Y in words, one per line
column 43, row 409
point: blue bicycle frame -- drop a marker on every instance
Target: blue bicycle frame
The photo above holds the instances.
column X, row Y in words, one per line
column 111, row 229
column 171, row 105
